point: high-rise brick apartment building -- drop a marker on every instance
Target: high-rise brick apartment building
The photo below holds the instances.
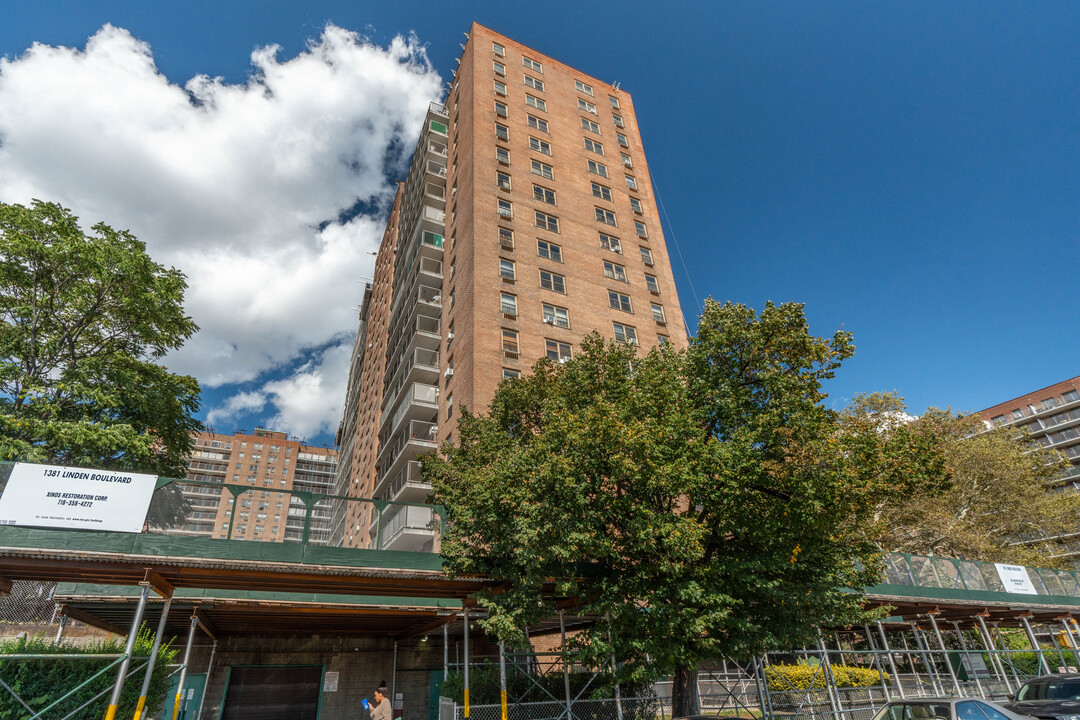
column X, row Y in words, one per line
column 1052, row 416
column 527, row 220
column 274, row 467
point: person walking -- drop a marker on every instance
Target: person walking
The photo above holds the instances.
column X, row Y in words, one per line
column 380, row 709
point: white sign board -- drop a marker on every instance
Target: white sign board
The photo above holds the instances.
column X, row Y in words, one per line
column 330, row 681
column 76, row 498
column 1015, row 579
column 974, row 664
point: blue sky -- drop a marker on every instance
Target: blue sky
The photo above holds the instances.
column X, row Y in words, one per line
column 909, row 170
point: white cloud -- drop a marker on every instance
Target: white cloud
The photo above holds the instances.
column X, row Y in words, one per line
column 240, row 186
column 308, row 402
column 239, row 404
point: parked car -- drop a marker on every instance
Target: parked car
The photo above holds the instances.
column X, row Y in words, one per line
column 946, row 709
column 1056, row 697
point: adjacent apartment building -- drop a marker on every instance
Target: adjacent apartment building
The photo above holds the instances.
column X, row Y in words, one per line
column 527, row 220
column 1052, row 417
column 272, row 469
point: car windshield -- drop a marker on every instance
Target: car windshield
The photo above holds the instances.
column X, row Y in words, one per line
column 1050, row 690
column 914, row 711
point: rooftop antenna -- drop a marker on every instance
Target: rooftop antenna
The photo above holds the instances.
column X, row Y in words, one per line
column 615, row 84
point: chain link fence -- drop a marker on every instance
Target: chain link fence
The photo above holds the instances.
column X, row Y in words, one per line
column 29, row 603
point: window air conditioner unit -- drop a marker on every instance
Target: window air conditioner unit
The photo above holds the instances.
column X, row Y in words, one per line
column 550, row 320
column 564, row 360
column 617, row 251
column 449, row 336
column 449, row 372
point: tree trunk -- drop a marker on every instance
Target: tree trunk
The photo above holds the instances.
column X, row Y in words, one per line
column 684, row 692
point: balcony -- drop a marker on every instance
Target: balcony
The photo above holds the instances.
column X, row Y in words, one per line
column 430, row 272
column 404, row 527
column 419, row 402
column 408, row 485
column 414, row 439
column 435, row 194
column 431, row 244
column 429, row 301
column 436, row 170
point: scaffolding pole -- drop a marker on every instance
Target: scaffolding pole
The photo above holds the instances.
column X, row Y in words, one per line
column 945, row 655
column 184, row 667
column 971, row 663
column 1035, row 645
column 465, row 613
column 892, row 664
column 995, row 661
column 129, row 648
column 153, row 660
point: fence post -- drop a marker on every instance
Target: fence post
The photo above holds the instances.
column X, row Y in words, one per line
column 465, row 612
column 565, row 666
column 129, row 648
column 614, row 673
column 63, row 622
column 502, row 678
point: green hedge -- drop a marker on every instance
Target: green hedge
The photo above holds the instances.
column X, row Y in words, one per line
column 41, row 682
column 806, row 677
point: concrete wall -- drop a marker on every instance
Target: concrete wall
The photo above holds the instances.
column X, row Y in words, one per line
column 362, row 664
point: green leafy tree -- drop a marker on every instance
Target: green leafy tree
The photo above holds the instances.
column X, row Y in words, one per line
column 705, row 503
column 997, row 495
column 86, row 318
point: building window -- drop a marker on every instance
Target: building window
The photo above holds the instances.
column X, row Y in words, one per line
column 593, row 146
column 543, row 170
column 502, row 180
column 646, row 256
column 1071, row 396
column 502, row 132
column 534, row 83
column 658, row 313
column 557, row 316
column 614, row 101
column 449, row 405
column 532, row 64
column 586, row 106
column 500, row 109
column 999, row 420
column 558, row 351
column 1049, row 403
column 449, row 333
column 619, row 301
column 548, row 222
column 538, row 123
column 506, row 238
column 626, row 161
column 631, row 183
column 498, row 49
column 635, row 205
column 642, row 231
column 621, row 139
column 452, row 298
column 601, row 192
column 540, row 146
column 506, row 269
column 500, row 88
column 506, row 208
column 535, row 102
column 552, row 281
column 550, row 251
column 543, row 194
column 610, row 243
column 605, row 216
column 625, row 333
column 509, row 374
column 500, row 69
column 614, row 271
column 1017, row 414
column 508, row 305
column 598, row 168
column 582, row 87
column 587, row 124
column 502, row 155
column 510, row 343
column 652, row 284
column 617, row 120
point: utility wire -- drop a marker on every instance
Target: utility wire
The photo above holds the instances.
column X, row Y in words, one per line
column 682, row 260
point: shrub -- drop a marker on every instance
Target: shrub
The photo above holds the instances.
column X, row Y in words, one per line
column 41, row 682
column 807, row 677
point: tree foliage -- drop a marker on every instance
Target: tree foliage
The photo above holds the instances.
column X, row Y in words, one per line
column 996, row 496
column 86, row 317
column 704, row 502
